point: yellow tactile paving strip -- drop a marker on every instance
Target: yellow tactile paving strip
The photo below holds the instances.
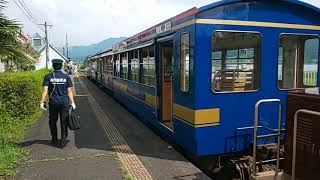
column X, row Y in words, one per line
column 125, row 154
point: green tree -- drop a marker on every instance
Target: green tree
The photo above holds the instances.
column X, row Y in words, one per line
column 12, row 51
column 85, row 63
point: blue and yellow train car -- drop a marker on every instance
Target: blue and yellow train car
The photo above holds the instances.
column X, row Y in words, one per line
column 198, row 76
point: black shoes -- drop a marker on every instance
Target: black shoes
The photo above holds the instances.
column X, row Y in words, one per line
column 63, row 143
column 59, row 144
column 54, row 142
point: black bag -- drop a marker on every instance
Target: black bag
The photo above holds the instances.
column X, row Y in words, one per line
column 73, row 120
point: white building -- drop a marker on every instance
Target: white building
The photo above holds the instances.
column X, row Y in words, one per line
column 2, row 68
column 39, row 44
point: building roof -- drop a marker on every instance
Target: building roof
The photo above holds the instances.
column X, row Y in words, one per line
column 64, row 58
column 22, row 37
column 43, row 47
column 37, row 36
column 51, row 46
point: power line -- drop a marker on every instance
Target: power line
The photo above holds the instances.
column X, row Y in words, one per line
column 25, row 7
column 30, row 18
column 28, row 10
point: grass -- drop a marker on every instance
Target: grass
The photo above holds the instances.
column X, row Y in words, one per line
column 11, row 157
column 124, row 170
column 11, row 154
column 126, row 174
column 15, row 129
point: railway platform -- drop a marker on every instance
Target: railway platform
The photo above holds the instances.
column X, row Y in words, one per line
column 111, row 144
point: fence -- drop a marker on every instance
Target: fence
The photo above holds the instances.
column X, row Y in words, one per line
column 310, row 78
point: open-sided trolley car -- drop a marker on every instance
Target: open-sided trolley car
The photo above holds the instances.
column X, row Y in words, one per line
column 204, row 76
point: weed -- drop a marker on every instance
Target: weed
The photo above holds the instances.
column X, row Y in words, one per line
column 124, row 170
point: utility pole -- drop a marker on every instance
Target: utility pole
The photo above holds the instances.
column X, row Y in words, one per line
column 47, row 41
column 67, row 48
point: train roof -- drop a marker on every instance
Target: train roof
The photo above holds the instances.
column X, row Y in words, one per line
column 101, row 53
column 227, row 2
column 194, row 11
column 143, row 37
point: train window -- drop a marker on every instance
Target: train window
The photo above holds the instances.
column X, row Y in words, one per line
column 103, row 65
column 94, row 64
column 134, row 66
column 298, row 61
column 184, row 62
column 104, row 62
column 148, row 64
column 235, row 59
column 109, row 66
column 98, row 64
column 117, row 70
column 124, row 66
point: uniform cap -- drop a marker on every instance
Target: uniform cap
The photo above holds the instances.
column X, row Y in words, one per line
column 57, row 61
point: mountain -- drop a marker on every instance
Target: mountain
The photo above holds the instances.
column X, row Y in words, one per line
column 79, row 53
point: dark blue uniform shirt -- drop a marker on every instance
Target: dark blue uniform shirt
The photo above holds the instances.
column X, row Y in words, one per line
column 57, row 83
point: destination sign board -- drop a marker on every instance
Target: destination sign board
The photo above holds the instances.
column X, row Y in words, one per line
column 163, row 28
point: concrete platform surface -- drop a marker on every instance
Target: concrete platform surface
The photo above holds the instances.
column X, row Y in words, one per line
column 92, row 153
column 88, row 155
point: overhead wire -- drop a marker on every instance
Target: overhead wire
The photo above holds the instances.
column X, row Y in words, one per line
column 25, row 6
column 27, row 9
column 30, row 17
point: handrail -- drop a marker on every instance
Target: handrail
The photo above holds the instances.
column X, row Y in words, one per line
column 294, row 152
column 252, row 127
column 256, row 119
column 264, row 127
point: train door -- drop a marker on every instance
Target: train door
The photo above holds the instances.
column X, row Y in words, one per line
column 166, row 82
column 101, row 70
column 96, row 69
column 103, row 64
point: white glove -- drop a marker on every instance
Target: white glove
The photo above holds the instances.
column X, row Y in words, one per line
column 73, row 106
column 42, row 106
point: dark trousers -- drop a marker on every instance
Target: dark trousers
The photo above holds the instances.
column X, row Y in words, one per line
column 54, row 112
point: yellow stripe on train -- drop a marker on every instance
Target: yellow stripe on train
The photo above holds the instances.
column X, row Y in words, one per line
column 197, row 117
column 257, row 24
column 152, row 100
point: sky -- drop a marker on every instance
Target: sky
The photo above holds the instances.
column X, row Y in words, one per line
column 91, row 21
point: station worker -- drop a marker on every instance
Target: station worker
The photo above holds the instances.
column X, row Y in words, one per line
column 58, row 86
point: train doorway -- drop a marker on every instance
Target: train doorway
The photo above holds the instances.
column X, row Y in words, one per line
column 166, row 70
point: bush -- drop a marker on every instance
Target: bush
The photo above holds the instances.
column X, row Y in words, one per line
column 20, row 94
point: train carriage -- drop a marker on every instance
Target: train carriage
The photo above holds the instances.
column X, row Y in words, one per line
column 198, row 76
column 92, row 68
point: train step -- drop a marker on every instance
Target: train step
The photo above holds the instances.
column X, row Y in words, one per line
column 267, row 175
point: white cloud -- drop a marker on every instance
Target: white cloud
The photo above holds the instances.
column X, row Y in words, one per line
column 90, row 21
column 313, row 2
